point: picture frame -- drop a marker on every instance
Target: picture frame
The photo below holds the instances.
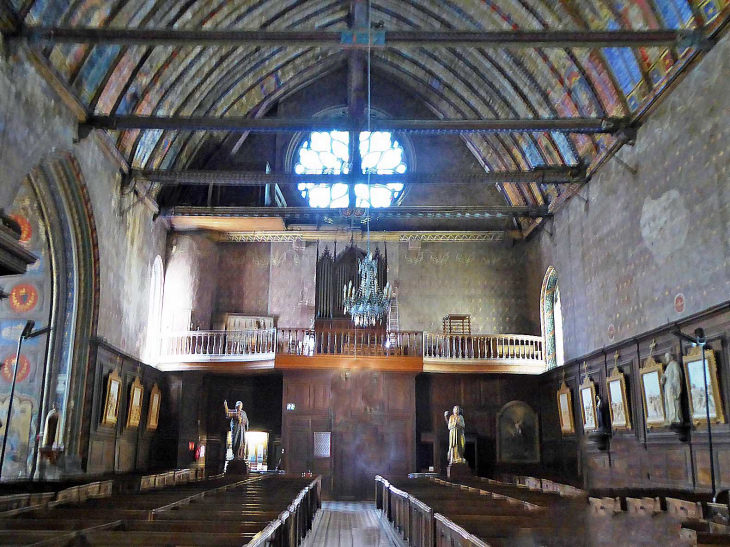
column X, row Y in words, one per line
column 111, row 401
column 588, row 411
column 565, row 410
column 652, row 393
column 136, row 394
column 153, row 414
column 696, row 387
column 518, row 434
column 618, row 403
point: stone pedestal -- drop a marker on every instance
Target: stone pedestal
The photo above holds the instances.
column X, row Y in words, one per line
column 237, row 468
column 457, row 470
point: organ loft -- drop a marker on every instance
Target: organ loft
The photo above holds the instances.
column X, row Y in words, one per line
column 459, row 268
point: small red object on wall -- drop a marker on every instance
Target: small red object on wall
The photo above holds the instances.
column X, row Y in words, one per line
column 679, row 303
column 191, row 445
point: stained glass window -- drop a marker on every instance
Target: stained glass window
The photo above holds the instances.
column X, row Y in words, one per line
column 329, row 153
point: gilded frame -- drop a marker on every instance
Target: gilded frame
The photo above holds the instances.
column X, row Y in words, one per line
column 153, row 413
column 112, row 398
column 650, row 370
column 618, row 377
column 136, row 394
column 589, row 387
column 699, row 416
column 567, row 423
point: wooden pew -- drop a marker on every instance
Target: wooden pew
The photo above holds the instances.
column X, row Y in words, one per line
column 221, row 512
column 430, row 512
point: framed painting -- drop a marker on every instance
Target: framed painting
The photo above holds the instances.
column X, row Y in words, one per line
column 111, row 401
column 517, row 434
column 652, row 393
column 618, row 404
column 588, row 405
column 135, row 403
column 565, row 410
column 699, row 397
column 153, row 415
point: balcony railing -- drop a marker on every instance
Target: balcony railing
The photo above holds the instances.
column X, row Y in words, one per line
column 217, row 345
column 483, row 347
column 437, row 352
column 308, row 343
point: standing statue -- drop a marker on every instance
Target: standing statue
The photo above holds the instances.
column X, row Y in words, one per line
column 672, row 383
column 457, row 443
column 599, row 412
column 239, row 427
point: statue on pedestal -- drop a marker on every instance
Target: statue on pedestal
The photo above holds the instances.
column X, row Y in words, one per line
column 457, row 442
column 672, row 385
column 239, row 427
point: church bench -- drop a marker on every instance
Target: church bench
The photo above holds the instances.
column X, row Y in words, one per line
column 435, row 513
column 513, row 491
column 192, row 526
column 167, row 538
column 219, row 512
column 26, row 537
column 49, row 524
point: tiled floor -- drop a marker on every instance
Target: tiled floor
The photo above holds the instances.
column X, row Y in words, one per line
column 348, row 524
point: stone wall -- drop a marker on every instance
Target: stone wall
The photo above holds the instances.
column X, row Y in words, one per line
column 639, row 241
column 291, row 292
column 190, row 283
column 485, row 280
column 38, row 125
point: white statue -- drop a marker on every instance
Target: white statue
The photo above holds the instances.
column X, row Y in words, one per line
column 672, row 382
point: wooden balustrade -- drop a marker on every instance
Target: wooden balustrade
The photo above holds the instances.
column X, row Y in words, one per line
column 400, row 511
column 353, row 342
column 422, row 523
column 482, row 347
column 218, row 345
column 434, row 352
column 290, row 528
column 449, row 534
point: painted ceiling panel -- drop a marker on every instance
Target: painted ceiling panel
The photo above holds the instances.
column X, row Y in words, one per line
column 452, row 82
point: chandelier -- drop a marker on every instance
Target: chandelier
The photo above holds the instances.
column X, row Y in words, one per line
column 368, row 304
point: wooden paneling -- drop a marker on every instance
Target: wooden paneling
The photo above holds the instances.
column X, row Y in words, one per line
column 481, row 397
column 119, row 448
column 641, row 457
column 371, row 416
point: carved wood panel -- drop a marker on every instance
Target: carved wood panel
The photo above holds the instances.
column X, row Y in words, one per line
column 372, row 420
column 645, row 458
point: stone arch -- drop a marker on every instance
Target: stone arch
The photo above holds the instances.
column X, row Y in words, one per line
column 551, row 328
column 66, row 208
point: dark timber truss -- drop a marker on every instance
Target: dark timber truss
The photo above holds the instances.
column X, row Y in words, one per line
column 359, row 38
column 550, row 175
column 470, row 212
column 295, row 125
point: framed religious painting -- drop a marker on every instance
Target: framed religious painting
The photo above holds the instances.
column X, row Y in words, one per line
column 135, row 403
column 618, row 404
column 565, row 410
column 588, row 409
column 153, row 415
column 701, row 398
column 111, row 401
column 652, row 393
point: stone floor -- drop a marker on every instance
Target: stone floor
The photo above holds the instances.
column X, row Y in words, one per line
column 349, row 524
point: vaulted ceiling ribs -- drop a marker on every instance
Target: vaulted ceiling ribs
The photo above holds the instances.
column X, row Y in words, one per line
column 453, row 82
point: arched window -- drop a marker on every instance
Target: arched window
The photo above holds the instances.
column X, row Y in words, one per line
column 551, row 318
column 328, row 152
column 154, row 314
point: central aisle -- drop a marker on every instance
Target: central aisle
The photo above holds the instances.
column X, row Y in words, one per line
column 348, row 524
